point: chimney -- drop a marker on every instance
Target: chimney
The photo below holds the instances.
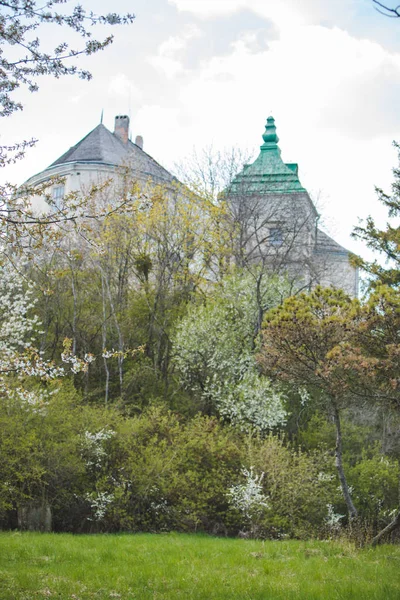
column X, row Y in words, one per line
column 121, row 128
column 139, row 141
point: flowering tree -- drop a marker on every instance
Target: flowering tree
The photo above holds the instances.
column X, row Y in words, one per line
column 24, row 58
column 18, row 329
column 214, row 355
column 248, row 497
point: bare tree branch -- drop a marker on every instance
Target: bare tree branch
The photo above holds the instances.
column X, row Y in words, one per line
column 394, row 13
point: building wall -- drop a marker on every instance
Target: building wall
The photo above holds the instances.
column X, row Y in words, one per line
column 81, row 177
column 334, row 269
column 259, row 216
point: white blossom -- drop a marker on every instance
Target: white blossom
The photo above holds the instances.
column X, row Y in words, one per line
column 99, row 504
column 248, row 497
column 333, row 519
column 325, row 477
column 93, row 446
column 18, row 328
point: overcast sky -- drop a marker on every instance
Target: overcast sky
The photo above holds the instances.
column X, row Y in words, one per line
column 191, row 73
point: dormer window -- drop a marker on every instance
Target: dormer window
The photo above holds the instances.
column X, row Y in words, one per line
column 275, row 236
column 58, row 195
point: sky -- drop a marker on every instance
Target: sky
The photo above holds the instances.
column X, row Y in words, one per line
column 196, row 73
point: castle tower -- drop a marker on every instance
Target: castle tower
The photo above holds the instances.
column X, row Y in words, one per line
column 278, row 222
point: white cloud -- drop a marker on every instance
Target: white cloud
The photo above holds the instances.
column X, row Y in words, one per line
column 75, row 99
column 208, row 8
column 169, row 55
column 286, row 14
column 121, row 85
column 313, row 73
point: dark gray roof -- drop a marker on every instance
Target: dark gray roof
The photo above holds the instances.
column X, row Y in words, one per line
column 324, row 243
column 102, row 146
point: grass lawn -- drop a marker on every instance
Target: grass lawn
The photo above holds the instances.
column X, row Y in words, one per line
column 173, row 566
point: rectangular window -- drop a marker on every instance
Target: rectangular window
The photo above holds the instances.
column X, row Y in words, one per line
column 275, row 236
column 58, row 194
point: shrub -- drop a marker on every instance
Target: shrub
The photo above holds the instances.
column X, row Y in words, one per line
column 175, row 473
column 299, row 487
column 375, row 481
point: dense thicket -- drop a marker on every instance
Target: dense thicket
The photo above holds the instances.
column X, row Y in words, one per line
column 100, row 471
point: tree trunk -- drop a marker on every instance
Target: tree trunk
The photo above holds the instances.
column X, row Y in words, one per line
column 104, row 339
column 73, row 313
column 120, row 338
column 395, row 524
column 339, row 465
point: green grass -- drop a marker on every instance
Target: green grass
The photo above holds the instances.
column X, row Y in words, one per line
column 172, row 566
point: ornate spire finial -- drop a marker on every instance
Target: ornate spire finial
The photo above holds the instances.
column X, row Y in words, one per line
column 270, row 136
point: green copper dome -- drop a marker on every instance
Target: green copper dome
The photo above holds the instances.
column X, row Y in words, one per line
column 268, row 173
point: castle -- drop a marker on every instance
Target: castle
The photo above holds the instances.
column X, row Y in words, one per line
column 275, row 218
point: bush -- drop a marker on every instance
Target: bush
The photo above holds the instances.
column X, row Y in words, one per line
column 375, row 481
column 299, row 487
column 175, row 474
column 99, row 471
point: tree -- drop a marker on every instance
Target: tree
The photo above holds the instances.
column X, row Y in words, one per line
column 387, row 10
column 123, row 283
column 385, row 241
column 371, row 360
column 18, row 330
column 24, row 59
column 346, row 352
column 215, row 357
column 379, row 335
column 380, row 332
column 208, row 173
column 299, row 340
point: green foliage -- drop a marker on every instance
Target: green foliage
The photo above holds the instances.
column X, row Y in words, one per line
column 157, row 472
column 42, row 449
column 360, row 435
column 376, row 483
column 385, row 241
column 372, row 474
column 300, row 337
column 176, row 474
column 298, row 485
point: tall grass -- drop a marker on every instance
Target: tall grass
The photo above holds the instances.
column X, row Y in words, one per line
column 172, row 566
